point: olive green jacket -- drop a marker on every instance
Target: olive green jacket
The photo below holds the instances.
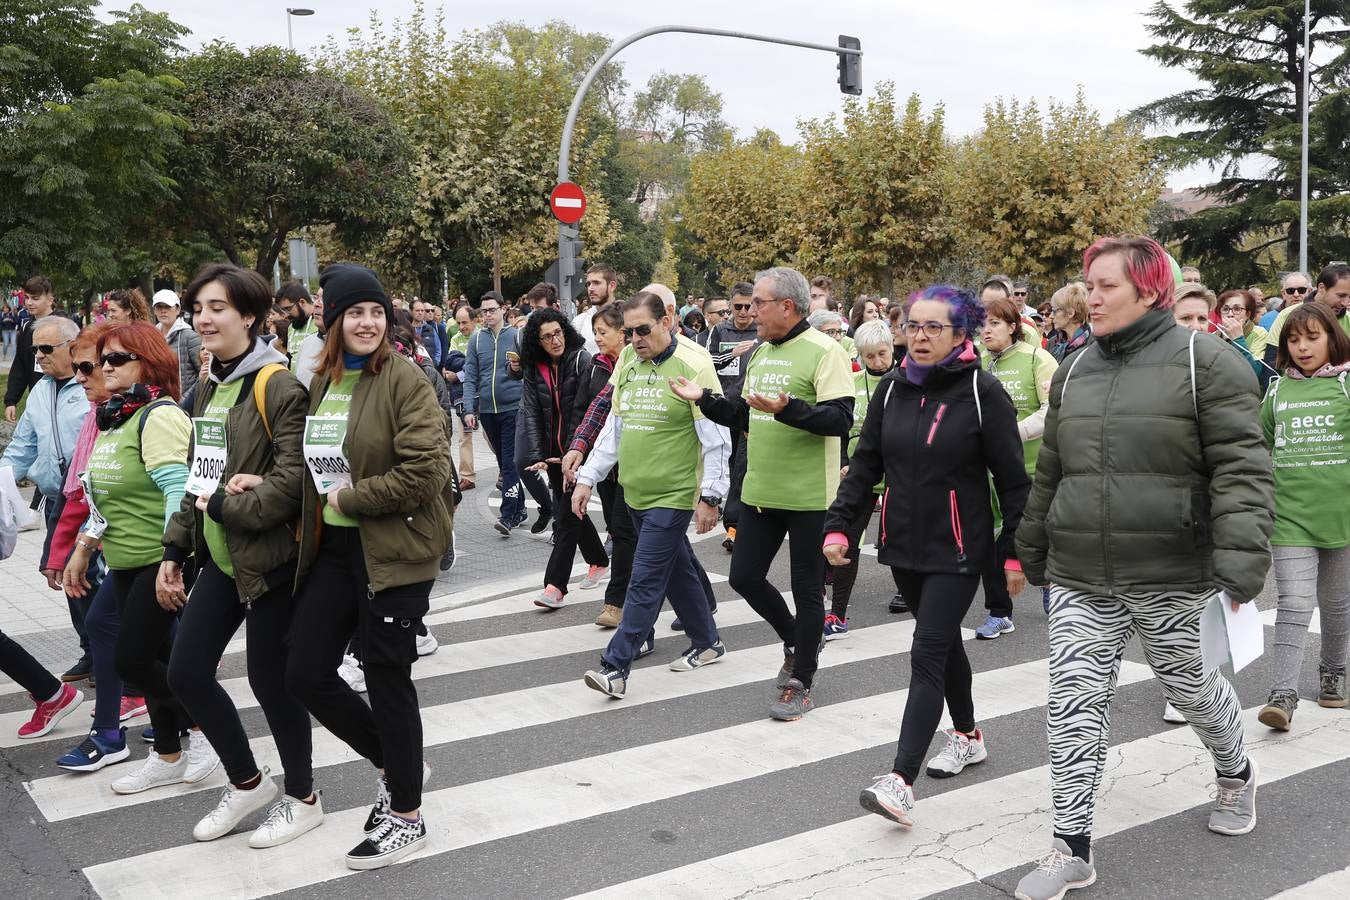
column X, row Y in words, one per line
column 398, row 445
column 1142, row 485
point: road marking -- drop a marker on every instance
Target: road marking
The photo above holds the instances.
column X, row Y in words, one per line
column 1332, row 884
column 1314, row 626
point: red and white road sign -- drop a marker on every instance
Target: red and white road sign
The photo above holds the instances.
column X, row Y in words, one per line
column 568, row 203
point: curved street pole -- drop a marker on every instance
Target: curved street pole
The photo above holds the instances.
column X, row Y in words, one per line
column 1303, row 178
column 568, row 233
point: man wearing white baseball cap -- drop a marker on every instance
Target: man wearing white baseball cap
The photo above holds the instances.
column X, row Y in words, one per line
column 179, row 335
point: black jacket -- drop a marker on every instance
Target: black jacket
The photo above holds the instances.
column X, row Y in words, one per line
column 929, row 443
column 549, row 414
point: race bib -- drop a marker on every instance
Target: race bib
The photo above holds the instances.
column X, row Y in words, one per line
column 733, row 368
column 327, row 463
column 97, row 525
column 208, row 457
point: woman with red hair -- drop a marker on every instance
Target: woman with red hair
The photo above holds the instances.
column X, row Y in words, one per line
column 133, row 483
column 1153, row 494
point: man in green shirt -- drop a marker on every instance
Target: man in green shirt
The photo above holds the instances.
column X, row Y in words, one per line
column 295, row 301
column 460, row 335
column 673, row 469
column 797, row 407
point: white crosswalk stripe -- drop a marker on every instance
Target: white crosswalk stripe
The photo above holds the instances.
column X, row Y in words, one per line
column 661, row 758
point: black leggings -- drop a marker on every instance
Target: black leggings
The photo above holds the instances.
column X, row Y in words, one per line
column 27, row 672
column 731, row 510
column 847, row 575
column 144, row 644
column 333, row 604
column 210, row 619
column 569, row 533
column 758, row 538
column 939, row 668
column 619, row 523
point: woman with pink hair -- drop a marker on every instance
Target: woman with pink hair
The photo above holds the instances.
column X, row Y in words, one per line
column 1153, row 494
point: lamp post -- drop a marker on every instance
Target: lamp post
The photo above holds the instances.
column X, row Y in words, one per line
column 294, row 11
column 1303, row 174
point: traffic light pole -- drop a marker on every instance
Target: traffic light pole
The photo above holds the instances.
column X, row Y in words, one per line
column 567, row 234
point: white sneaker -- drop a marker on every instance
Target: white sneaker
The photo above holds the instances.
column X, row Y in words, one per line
column 1172, row 715
column 889, row 796
column 201, row 757
column 961, row 751
column 153, row 773
column 426, row 645
column 351, row 672
column 287, row 820
column 235, row 804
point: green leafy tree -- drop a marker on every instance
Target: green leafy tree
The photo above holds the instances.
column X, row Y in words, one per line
column 272, row 147
column 1031, row 191
column 671, row 119
column 1246, row 114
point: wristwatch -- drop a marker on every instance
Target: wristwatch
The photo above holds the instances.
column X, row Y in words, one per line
column 712, row 500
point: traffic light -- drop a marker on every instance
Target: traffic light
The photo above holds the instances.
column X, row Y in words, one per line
column 850, row 66
column 568, row 273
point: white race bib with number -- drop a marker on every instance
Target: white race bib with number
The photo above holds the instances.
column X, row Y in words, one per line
column 208, row 457
column 327, row 463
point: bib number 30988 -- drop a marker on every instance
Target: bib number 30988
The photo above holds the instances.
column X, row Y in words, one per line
column 208, row 457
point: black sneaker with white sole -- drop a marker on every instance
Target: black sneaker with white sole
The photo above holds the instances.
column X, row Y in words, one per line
column 393, row 839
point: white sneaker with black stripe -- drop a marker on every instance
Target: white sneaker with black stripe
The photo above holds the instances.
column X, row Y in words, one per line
column 695, row 657
column 393, row 839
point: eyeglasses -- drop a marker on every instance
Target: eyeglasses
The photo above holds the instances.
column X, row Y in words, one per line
column 1232, row 309
column 832, row 332
column 552, row 337
column 287, row 308
column 714, row 312
column 489, row 309
column 1019, row 293
column 86, row 368
column 931, row 329
column 740, row 306
column 117, row 359
column 640, row 331
column 1296, row 290
column 49, row 349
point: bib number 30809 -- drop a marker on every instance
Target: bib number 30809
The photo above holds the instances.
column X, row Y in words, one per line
column 327, row 463
column 208, row 457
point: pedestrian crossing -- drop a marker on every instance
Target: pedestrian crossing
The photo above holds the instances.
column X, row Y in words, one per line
column 685, row 774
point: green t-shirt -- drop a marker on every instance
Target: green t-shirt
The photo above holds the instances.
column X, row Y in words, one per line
column 218, row 410
column 660, row 456
column 295, row 337
column 1277, row 327
column 1306, row 422
column 849, row 346
column 337, row 404
column 123, row 491
column 460, row 341
column 786, row 467
column 1025, row 374
column 864, row 385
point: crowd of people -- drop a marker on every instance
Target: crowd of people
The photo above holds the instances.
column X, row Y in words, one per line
column 1135, row 448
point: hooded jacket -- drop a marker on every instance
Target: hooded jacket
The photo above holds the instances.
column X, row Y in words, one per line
column 46, row 434
column 488, row 385
column 1145, row 483
column 259, row 523
column 188, row 346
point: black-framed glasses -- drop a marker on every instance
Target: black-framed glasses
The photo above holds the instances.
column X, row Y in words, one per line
column 489, row 309
column 49, row 349
column 117, row 358
column 1296, row 290
column 640, row 331
column 1233, row 309
column 931, row 329
column 86, row 368
column 551, row 337
column 740, row 306
column 1019, row 293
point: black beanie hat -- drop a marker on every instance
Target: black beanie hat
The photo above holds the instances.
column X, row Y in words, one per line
column 346, row 284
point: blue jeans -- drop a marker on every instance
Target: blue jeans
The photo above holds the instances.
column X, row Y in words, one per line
column 663, row 566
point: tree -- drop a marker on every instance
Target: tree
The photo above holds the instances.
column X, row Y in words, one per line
column 739, row 205
column 1032, row 191
column 671, row 119
column 872, row 202
column 1249, row 59
column 272, row 147
column 89, row 114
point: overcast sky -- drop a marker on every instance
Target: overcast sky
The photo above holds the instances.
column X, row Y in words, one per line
column 962, row 54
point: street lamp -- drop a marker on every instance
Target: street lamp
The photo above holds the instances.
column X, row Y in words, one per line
column 297, row 11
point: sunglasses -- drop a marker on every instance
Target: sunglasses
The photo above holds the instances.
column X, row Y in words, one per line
column 117, row 359
column 640, row 331
column 86, row 368
column 1019, row 293
column 740, row 306
column 1296, row 290
column 48, row 349
column 714, row 312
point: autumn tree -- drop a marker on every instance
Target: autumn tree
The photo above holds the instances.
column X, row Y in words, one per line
column 871, row 206
column 1032, row 190
column 1245, row 119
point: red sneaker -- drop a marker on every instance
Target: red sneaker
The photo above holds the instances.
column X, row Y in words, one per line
column 50, row 713
column 131, row 708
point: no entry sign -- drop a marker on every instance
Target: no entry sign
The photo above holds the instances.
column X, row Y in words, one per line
column 568, row 203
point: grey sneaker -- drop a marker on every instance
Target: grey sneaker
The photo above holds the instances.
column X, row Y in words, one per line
column 1333, row 693
column 695, row 657
column 1234, row 804
column 1056, row 873
column 1279, row 710
column 793, row 702
column 789, row 662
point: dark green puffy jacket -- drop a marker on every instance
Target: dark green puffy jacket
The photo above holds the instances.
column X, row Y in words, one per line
column 1142, row 486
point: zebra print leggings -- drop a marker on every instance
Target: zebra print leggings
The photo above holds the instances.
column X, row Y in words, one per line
column 1088, row 634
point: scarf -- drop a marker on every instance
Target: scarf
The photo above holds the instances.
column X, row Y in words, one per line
column 1327, row 371
column 120, row 407
column 917, row 373
column 79, row 459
